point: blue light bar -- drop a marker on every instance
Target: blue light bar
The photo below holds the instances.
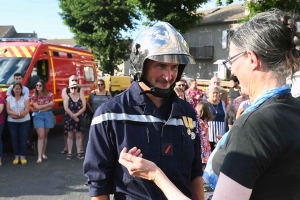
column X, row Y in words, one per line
column 22, row 39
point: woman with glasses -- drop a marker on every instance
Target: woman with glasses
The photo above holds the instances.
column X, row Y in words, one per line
column 42, row 101
column 217, row 126
column 98, row 96
column 259, row 157
column 74, row 105
column 17, row 107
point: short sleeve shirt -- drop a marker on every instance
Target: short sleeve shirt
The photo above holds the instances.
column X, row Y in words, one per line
column 42, row 99
column 262, row 150
column 192, row 95
column 244, row 105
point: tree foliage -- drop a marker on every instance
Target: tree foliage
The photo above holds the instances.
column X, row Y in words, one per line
column 265, row 5
column 181, row 14
column 98, row 24
column 257, row 6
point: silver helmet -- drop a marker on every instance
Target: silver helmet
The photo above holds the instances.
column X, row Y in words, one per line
column 163, row 43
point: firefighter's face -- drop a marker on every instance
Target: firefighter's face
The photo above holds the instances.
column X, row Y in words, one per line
column 160, row 74
column 18, row 79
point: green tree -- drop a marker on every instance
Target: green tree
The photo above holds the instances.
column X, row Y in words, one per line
column 182, row 14
column 265, row 5
column 98, row 24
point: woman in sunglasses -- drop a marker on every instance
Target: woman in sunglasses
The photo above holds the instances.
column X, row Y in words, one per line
column 42, row 101
column 74, row 106
column 98, row 96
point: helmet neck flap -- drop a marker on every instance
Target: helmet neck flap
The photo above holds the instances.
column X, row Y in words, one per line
column 155, row 91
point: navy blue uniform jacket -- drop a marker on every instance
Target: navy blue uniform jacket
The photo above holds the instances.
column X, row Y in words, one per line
column 130, row 120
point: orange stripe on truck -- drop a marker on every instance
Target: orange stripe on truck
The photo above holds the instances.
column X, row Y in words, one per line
column 26, row 52
column 16, row 52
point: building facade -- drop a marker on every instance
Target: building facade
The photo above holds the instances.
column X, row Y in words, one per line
column 208, row 41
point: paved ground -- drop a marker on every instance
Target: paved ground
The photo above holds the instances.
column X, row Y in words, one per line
column 54, row 179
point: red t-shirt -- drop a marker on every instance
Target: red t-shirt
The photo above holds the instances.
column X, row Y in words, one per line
column 42, row 99
column 192, row 95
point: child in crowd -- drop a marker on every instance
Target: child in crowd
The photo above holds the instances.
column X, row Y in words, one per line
column 180, row 93
column 205, row 115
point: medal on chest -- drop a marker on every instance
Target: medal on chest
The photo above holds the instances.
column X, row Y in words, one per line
column 188, row 122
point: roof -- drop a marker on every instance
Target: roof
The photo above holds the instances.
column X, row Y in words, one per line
column 65, row 42
column 24, row 35
column 4, row 29
column 223, row 14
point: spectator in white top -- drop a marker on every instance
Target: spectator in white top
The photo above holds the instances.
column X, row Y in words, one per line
column 243, row 106
column 18, row 79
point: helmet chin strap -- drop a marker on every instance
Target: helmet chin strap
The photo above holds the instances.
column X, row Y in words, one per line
column 155, row 91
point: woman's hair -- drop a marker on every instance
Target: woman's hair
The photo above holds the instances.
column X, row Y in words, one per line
column 177, row 90
column 203, row 111
column 274, row 38
column 210, row 88
column 44, row 90
column 12, row 90
column 102, row 81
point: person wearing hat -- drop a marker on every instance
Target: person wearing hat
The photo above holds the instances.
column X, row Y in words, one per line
column 74, row 105
column 149, row 116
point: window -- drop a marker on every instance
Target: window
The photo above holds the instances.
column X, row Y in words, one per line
column 55, row 53
column 10, row 66
column 40, row 71
column 205, row 38
column 89, row 74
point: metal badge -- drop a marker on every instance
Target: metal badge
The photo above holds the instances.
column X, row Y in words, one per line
column 193, row 135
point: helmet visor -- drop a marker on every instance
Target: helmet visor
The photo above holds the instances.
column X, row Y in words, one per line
column 173, row 58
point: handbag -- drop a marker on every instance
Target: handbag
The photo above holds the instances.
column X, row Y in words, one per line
column 84, row 120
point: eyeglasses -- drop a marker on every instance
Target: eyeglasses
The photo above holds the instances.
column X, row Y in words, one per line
column 181, row 85
column 75, row 80
column 39, row 85
column 100, row 84
column 73, row 88
column 227, row 63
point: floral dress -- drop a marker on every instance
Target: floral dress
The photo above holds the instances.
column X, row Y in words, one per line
column 205, row 146
column 70, row 124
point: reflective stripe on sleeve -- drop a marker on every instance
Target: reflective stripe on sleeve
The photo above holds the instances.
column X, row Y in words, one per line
column 136, row 118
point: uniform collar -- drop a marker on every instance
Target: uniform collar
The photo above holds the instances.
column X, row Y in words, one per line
column 137, row 99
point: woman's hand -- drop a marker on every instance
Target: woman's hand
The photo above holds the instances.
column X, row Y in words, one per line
column 136, row 165
column 76, row 119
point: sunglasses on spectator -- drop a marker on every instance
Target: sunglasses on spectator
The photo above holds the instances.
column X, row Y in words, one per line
column 100, row 84
column 73, row 88
column 181, row 85
column 39, row 85
column 75, row 80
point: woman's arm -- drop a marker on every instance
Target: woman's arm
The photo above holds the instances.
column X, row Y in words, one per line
column 2, row 107
column 142, row 168
column 9, row 111
column 239, row 112
column 66, row 106
column 83, row 107
column 26, row 110
column 88, row 103
column 42, row 107
column 229, row 189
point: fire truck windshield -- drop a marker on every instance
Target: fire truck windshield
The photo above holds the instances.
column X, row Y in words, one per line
column 10, row 66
